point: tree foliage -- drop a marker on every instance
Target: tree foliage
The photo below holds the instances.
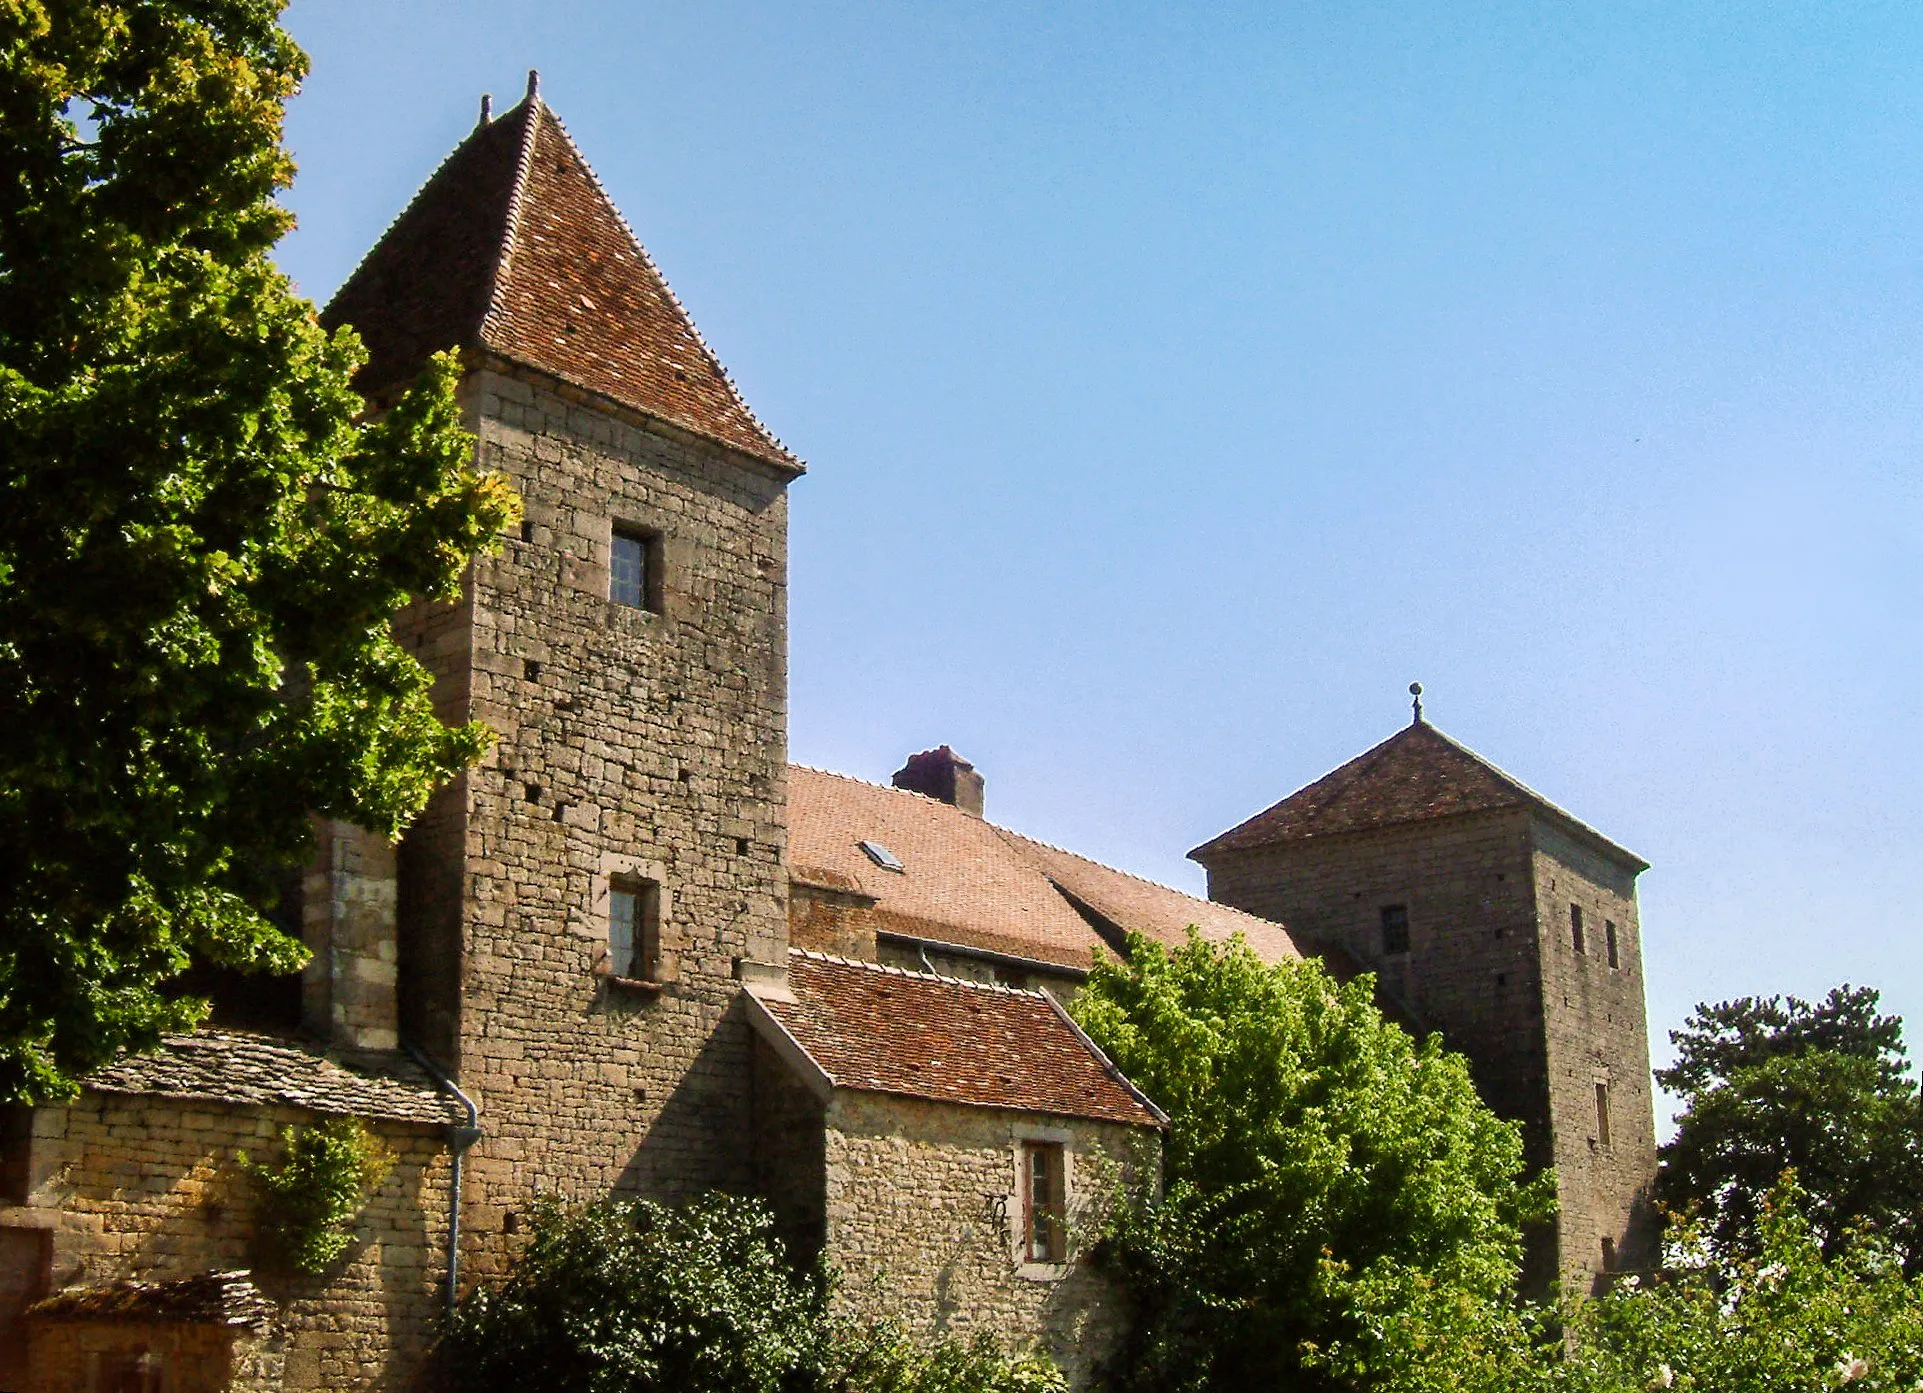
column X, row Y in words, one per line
column 636, row 1297
column 1339, row 1202
column 1822, row 1088
column 202, row 539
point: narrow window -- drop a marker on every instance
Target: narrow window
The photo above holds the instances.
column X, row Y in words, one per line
column 634, row 573
column 1609, row 942
column 1044, row 1202
column 1395, row 929
column 634, row 930
column 1575, row 927
column 1602, row 1114
column 1609, row 1255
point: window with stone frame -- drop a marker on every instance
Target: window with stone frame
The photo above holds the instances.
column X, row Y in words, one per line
column 634, row 568
column 1044, row 1202
column 1609, row 942
column 1602, row 1114
column 1395, row 929
column 1575, row 928
column 634, row 929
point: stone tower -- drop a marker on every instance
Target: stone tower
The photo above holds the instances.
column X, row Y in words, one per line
column 577, row 915
column 1495, row 918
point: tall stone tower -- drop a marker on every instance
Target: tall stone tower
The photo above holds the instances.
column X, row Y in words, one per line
column 1500, row 921
column 577, row 915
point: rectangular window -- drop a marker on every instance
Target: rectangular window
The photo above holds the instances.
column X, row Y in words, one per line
column 1044, row 1202
column 1395, row 929
column 1609, row 1255
column 634, row 930
column 1602, row 1114
column 634, row 573
column 1575, row 927
column 1609, row 942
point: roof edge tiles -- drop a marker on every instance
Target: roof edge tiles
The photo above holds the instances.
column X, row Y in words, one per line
column 1271, row 827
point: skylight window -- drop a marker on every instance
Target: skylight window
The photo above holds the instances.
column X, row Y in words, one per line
column 882, row 856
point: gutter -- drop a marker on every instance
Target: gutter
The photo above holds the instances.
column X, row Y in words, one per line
column 459, row 1139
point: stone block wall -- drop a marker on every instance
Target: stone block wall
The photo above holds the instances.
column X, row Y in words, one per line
column 1597, row 1036
column 348, row 921
column 831, row 918
column 923, row 1219
column 151, row 1189
column 647, row 744
column 67, row 1356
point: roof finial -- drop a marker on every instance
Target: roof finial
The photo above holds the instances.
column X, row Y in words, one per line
column 1415, row 690
column 533, row 83
column 487, row 107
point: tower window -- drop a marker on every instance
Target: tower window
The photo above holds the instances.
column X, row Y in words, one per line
column 1575, row 927
column 1602, row 1114
column 1044, row 1202
column 634, row 572
column 1609, row 1255
column 1395, row 929
column 634, row 930
column 1609, row 942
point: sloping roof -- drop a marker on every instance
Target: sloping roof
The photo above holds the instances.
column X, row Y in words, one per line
column 879, row 1029
column 212, row 1298
column 1416, row 774
column 966, row 881
column 229, row 1067
column 513, row 246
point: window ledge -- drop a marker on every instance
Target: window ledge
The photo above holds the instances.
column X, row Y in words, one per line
column 640, row 985
column 1041, row 1271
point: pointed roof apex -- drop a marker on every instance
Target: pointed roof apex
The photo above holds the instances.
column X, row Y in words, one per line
column 513, row 247
column 1415, row 775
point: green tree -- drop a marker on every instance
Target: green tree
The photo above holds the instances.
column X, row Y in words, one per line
column 1822, row 1088
column 1785, row 1318
column 636, row 1297
column 1341, row 1210
column 202, row 537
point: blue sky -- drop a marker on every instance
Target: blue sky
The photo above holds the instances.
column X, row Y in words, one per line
column 1179, row 382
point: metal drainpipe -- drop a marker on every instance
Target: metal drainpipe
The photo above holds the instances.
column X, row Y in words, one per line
column 459, row 1139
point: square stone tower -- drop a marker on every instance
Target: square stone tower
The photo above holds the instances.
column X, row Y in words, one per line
column 576, row 915
column 1493, row 917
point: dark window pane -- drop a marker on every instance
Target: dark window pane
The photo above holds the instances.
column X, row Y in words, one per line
column 1575, row 927
column 1395, row 928
column 1609, row 942
column 628, row 581
column 623, row 907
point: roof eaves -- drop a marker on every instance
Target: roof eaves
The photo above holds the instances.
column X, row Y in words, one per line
column 1108, row 1065
column 791, row 1051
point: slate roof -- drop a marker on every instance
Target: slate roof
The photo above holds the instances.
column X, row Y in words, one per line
column 213, row 1298
column 882, row 1030
column 514, row 247
column 966, row 881
column 1416, row 774
column 229, row 1067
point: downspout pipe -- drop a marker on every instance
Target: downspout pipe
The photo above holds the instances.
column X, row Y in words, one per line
column 459, row 1138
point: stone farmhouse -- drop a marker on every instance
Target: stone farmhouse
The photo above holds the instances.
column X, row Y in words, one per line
column 636, row 951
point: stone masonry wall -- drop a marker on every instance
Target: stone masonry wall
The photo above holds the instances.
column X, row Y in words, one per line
column 790, row 1160
column 1597, row 1035
column 924, row 1218
column 347, row 911
column 151, row 1189
column 645, row 744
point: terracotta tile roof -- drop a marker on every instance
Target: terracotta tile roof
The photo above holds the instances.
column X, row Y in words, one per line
column 966, row 881
column 514, row 247
column 1416, row 774
column 213, row 1298
column 1157, row 911
column 879, row 1029
column 228, row 1067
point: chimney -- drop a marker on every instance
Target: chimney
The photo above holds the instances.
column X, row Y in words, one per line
column 943, row 774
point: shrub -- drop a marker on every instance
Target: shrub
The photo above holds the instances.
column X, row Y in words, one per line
column 323, row 1180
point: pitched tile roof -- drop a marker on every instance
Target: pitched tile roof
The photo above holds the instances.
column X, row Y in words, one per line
column 229, row 1067
column 882, row 1030
column 514, row 247
column 212, row 1298
column 966, row 881
column 1416, row 774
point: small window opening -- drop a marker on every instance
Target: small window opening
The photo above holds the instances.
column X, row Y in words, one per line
column 1609, row 1255
column 1609, row 942
column 741, row 846
column 527, row 529
column 531, row 792
column 882, row 856
column 1575, row 927
column 531, row 669
column 1044, row 1202
column 634, row 930
column 1502, row 979
column 634, row 574
column 1395, row 929
column 1602, row 1114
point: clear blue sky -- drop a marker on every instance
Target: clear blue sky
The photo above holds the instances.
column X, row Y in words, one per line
column 1180, row 381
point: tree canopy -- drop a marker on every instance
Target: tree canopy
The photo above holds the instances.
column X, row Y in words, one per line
column 1338, row 1199
column 1821, row 1088
column 203, row 538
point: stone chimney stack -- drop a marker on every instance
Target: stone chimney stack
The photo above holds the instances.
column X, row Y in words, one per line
column 941, row 773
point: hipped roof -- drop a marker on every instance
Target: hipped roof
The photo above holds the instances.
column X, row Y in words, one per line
column 514, row 247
